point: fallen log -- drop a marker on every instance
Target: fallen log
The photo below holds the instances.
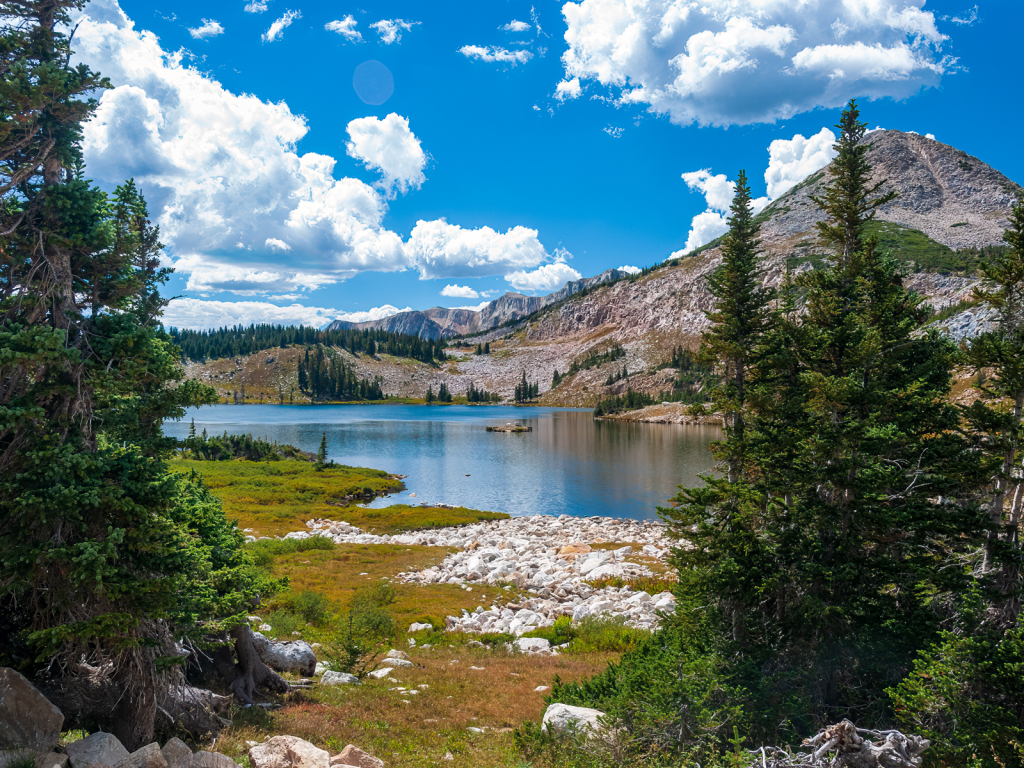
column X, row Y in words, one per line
column 844, row 745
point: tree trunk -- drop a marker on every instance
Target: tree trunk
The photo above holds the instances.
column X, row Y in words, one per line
column 251, row 672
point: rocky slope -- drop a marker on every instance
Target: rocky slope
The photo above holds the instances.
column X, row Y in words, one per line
column 947, row 202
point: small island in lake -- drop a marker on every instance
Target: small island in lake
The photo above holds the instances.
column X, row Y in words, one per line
column 510, row 428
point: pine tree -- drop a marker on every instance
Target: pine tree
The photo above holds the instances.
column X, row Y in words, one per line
column 487, row 348
column 430, row 395
column 1001, row 352
column 739, row 321
column 321, row 453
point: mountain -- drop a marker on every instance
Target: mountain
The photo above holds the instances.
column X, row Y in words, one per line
column 951, row 207
column 442, row 322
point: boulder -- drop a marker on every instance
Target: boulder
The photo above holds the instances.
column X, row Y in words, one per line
column 27, row 718
column 205, row 759
column 288, row 752
column 330, row 677
column 99, row 749
column 563, row 718
column 52, row 760
column 418, row 626
column 395, row 654
column 532, row 644
column 353, row 755
column 177, row 753
column 400, row 663
column 295, row 656
column 380, row 673
column 148, row 756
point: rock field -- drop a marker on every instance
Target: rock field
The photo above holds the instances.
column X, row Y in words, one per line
column 549, row 557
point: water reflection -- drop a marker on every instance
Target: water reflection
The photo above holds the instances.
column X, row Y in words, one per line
column 569, row 463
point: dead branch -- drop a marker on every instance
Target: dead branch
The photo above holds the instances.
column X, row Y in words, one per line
column 843, row 746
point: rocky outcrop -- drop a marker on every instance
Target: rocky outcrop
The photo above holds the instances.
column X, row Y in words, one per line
column 550, row 557
column 98, row 749
column 288, row 752
column 294, row 656
column 563, row 719
column 27, row 718
column 353, row 756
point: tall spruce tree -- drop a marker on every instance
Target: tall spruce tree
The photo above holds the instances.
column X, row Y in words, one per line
column 719, row 520
column 106, row 558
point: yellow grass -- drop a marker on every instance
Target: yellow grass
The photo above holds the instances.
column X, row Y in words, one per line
column 278, row 497
column 499, row 697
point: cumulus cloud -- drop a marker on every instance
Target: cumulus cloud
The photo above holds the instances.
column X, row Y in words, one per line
column 346, row 28
column 790, row 161
column 725, row 62
column 630, row 270
column 486, row 53
column 459, row 292
column 718, row 192
column 474, row 307
column 549, row 277
column 440, row 249
column 278, row 27
column 221, row 171
column 206, row 278
column 390, row 30
column 369, row 315
column 568, row 89
column 210, row 28
column 390, row 147
column 256, row 6
column 199, row 314
column 515, row 26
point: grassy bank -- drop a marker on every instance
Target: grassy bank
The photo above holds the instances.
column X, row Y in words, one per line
column 275, row 498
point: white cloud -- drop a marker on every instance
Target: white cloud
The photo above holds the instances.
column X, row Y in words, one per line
column 722, row 62
column 439, row 249
column 390, row 147
column 278, row 27
column 615, row 133
column 227, row 184
column 486, row 53
column 459, row 292
column 369, row 315
column 256, row 6
column 718, row 191
column 930, row 136
column 790, row 161
column 221, row 171
column 475, row 307
column 515, row 26
column 346, row 28
column 390, row 30
column 631, row 270
column 198, row 314
column 568, row 89
column 210, row 28
column 549, row 277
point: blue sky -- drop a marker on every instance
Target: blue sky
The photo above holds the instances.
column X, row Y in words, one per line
column 285, row 197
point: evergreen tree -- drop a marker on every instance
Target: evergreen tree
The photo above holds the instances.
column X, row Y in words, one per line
column 430, row 395
column 321, row 453
column 108, row 559
column 487, row 348
column 739, row 320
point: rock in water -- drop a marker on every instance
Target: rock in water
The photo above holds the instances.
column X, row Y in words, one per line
column 354, row 756
column 177, row 754
column 563, row 718
column 99, row 749
column 148, row 756
column 288, row 752
column 296, row 656
column 27, row 718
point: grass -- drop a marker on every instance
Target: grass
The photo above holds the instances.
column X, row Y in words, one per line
column 275, row 498
column 498, row 698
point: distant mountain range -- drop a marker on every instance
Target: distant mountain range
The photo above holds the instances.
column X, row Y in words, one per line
column 951, row 207
column 442, row 322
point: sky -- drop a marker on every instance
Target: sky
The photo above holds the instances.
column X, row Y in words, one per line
column 308, row 161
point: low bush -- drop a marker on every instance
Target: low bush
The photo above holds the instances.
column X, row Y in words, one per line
column 264, row 551
column 311, row 606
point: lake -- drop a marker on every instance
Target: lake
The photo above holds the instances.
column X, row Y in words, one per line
column 569, row 464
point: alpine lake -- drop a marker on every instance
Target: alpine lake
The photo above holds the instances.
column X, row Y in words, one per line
column 567, row 464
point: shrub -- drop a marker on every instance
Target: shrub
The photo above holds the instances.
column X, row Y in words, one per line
column 264, row 551
column 313, row 607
